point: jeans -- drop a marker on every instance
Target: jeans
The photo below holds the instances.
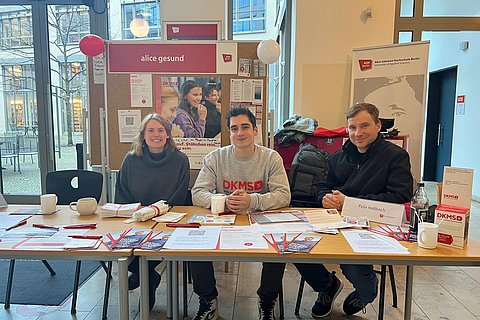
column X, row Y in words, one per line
column 204, row 283
column 362, row 277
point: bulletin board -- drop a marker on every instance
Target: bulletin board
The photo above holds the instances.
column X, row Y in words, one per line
column 117, row 96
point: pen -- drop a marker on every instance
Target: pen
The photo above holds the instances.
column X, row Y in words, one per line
column 93, row 237
column 44, row 226
column 21, row 223
column 81, row 226
column 184, row 225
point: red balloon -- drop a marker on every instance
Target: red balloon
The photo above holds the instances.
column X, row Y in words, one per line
column 91, row 45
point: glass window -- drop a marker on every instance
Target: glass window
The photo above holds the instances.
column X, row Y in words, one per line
column 19, row 94
column 406, row 8
column 448, row 8
column 405, row 36
column 71, row 23
column 248, row 16
column 148, row 11
column 15, row 28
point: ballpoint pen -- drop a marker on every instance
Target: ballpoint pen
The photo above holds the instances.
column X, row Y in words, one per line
column 92, row 237
column 21, row 223
column 81, row 226
column 184, row 225
column 44, row 226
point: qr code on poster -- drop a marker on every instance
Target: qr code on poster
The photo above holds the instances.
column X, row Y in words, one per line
column 129, row 121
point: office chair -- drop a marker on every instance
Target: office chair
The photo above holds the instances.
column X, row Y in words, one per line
column 381, row 301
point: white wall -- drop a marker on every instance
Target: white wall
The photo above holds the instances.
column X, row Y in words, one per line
column 444, row 52
column 326, row 32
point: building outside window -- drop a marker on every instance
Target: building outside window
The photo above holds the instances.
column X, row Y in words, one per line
column 19, row 96
column 15, row 28
column 71, row 23
column 148, row 11
column 248, row 16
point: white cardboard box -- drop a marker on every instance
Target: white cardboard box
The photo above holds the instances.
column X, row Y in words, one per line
column 453, row 225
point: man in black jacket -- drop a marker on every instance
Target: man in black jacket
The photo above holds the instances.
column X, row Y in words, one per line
column 366, row 167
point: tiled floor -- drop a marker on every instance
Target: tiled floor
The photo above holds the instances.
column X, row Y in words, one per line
column 439, row 293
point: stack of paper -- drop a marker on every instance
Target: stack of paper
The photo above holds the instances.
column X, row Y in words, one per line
column 244, row 237
column 368, row 242
column 292, row 242
column 109, row 210
column 155, row 240
column 329, row 220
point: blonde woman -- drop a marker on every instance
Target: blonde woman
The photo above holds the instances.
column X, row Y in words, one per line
column 153, row 170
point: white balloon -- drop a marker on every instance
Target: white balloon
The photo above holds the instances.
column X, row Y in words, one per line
column 268, row 51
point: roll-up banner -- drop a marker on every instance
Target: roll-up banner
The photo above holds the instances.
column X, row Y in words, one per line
column 394, row 78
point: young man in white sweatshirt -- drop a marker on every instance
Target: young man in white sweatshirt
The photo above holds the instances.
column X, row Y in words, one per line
column 254, row 179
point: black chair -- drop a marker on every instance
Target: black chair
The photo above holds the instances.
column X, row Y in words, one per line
column 381, row 301
column 69, row 186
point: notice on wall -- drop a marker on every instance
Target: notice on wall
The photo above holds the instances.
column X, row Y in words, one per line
column 244, row 67
column 246, row 90
column 128, row 124
column 140, row 90
column 98, row 69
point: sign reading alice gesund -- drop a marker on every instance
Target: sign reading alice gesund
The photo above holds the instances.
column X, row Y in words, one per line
column 172, row 58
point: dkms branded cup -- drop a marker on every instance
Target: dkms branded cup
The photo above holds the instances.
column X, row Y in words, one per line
column 84, row 206
column 218, row 203
column 48, row 203
column 427, row 235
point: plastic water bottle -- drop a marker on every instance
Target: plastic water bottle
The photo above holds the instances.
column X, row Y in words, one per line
column 418, row 207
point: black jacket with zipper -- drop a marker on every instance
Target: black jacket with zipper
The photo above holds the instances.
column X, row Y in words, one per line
column 382, row 173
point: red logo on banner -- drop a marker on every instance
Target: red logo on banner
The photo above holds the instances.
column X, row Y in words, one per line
column 461, row 99
column 365, row 64
column 227, row 57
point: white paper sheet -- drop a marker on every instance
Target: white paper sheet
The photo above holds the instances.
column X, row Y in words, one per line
column 367, row 242
column 234, row 238
column 202, row 238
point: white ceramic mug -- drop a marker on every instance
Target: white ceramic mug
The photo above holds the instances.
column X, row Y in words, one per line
column 48, row 202
column 84, row 206
column 427, row 235
column 218, row 203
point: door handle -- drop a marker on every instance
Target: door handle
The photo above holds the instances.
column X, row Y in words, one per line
column 439, row 134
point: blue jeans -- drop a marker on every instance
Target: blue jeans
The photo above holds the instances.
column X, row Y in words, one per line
column 362, row 277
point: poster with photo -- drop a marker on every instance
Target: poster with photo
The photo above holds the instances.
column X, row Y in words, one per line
column 193, row 106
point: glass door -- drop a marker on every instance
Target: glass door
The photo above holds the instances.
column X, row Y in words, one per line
column 20, row 171
column 42, row 92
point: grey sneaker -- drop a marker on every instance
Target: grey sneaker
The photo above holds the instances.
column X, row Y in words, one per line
column 266, row 310
column 207, row 310
column 324, row 304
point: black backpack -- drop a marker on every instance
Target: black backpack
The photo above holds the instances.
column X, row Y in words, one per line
column 309, row 168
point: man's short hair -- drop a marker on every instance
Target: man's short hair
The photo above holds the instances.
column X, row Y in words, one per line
column 237, row 111
column 364, row 106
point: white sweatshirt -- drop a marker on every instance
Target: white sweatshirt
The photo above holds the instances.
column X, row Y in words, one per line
column 262, row 176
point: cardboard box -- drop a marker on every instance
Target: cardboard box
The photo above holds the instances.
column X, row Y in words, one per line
column 453, row 225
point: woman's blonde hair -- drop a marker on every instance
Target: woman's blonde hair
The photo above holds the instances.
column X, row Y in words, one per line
column 169, row 93
column 139, row 138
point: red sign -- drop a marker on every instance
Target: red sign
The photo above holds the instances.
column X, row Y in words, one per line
column 445, row 238
column 365, row 64
column 192, row 31
column 162, row 58
column 461, row 99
